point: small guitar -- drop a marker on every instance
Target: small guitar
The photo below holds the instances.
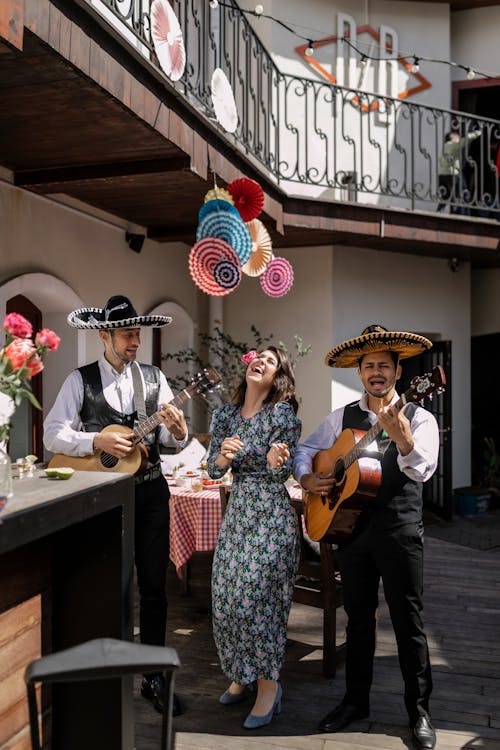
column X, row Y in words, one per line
column 136, row 459
column 357, row 474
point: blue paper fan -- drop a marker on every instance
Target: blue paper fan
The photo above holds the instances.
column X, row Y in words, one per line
column 230, row 228
column 215, row 205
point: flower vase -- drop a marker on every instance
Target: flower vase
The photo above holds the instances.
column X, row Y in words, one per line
column 5, row 475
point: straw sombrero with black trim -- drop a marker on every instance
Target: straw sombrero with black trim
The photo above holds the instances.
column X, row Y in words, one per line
column 376, row 338
column 118, row 312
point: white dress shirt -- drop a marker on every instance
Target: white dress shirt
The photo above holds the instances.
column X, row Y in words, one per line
column 419, row 464
column 62, row 426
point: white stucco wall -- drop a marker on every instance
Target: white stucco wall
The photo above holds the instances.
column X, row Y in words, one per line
column 408, row 293
column 475, row 40
column 63, row 258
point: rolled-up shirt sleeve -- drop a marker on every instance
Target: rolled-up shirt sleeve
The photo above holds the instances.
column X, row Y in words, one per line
column 62, row 428
column 420, row 464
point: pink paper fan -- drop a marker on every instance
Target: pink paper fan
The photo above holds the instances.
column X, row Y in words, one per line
column 277, row 279
column 167, row 38
column 203, row 258
column 248, row 197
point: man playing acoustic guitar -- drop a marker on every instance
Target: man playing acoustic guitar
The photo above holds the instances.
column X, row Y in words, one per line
column 114, row 390
column 387, row 539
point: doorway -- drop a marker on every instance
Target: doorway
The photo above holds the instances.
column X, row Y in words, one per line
column 27, row 421
column 437, row 493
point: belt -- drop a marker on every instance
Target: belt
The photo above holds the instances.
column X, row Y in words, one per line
column 147, row 476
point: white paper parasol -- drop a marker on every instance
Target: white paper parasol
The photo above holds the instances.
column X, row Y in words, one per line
column 223, row 101
column 167, row 39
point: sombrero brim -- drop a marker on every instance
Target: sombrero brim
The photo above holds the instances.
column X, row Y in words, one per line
column 405, row 344
column 92, row 318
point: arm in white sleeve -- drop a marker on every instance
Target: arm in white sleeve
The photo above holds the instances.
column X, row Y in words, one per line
column 62, row 428
column 165, row 396
column 321, row 439
column 420, row 464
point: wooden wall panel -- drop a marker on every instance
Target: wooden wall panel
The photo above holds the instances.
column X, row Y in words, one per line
column 12, row 22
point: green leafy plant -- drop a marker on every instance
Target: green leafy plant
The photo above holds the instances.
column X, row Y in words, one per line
column 491, row 465
column 224, row 353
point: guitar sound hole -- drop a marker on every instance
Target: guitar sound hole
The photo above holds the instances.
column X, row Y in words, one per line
column 339, row 471
column 108, row 461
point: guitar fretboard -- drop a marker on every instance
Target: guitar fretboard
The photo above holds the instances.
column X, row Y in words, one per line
column 152, row 422
column 369, row 436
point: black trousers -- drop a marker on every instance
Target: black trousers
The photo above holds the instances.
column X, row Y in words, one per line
column 396, row 557
column 151, row 558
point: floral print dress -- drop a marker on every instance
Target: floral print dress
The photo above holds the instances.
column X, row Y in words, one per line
column 257, row 553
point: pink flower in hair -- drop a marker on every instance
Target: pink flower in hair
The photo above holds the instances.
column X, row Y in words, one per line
column 249, row 356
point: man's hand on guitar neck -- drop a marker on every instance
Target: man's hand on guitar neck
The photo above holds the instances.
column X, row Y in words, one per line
column 116, row 444
column 174, row 421
column 397, row 428
column 320, row 483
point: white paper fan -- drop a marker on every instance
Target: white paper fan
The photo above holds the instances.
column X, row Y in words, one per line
column 223, row 101
column 167, row 39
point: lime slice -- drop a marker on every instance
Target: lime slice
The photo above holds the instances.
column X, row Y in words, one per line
column 51, row 472
column 64, row 472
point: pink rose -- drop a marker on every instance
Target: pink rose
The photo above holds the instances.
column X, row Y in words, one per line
column 17, row 325
column 34, row 365
column 18, row 352
column 249, row 356
column 48, row 339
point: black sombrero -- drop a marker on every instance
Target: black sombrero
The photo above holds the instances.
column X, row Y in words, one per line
column 118, row 312
column 376, row 338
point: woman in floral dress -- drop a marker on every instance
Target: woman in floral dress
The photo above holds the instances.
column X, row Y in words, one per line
column 257, row 552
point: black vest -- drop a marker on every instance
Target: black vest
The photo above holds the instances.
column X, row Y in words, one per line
column 399, row 499
column 96, row 413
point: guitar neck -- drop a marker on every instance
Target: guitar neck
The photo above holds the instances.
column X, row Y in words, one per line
column 152, row 422
column 374, row 431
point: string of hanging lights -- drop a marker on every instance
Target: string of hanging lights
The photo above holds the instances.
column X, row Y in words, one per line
column 258, row 12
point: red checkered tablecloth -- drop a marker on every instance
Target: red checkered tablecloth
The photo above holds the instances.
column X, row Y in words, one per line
column 195, row 519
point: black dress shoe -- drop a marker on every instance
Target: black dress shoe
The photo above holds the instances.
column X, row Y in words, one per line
column 423, row 733
column 153, row 689
column 340, row 717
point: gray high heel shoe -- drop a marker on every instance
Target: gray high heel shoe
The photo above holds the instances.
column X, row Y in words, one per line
column 254, row 722
column 228, row 698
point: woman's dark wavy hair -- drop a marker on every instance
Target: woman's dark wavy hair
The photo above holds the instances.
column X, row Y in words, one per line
column 283, row 387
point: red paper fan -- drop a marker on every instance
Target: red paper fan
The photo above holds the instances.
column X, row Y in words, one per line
column 277, row 279
column 204, row 257
column 248, row 197
column 167, row 38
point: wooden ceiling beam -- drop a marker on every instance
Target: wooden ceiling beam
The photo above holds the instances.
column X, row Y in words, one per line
column 43, row 179
column 172, row 233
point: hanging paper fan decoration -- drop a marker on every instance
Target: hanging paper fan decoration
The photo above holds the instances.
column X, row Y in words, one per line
column 262, row 249
column 221, row 193
column 230, row 228
column 167, row 39
column 204, row 257
column 227, row 274
column 223, row 101
column 248, row 197
column 215, row 205
column 277, row 279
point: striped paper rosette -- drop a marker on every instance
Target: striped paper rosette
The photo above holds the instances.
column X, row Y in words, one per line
column 216, row 204
column 230, row 228
column 262, row 249
column 227, row 274
column 204, row 257
column 221, row 193
column 277, row 278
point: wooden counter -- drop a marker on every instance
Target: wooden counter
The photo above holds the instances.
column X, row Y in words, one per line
column 66, row 576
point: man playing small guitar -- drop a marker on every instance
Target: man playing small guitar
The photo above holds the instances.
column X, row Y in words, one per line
column 116, row 390
column 386, row 538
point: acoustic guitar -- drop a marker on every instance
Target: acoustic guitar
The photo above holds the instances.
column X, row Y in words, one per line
column 356, row 470
column 136, row 460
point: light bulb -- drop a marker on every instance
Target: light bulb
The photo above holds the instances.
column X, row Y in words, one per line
column 415, row 67
column 310, row 49
column 470, row 74
column 259, row 10
column 214, row 4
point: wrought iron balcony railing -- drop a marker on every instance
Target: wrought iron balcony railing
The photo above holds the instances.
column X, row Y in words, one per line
column 321, row 140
